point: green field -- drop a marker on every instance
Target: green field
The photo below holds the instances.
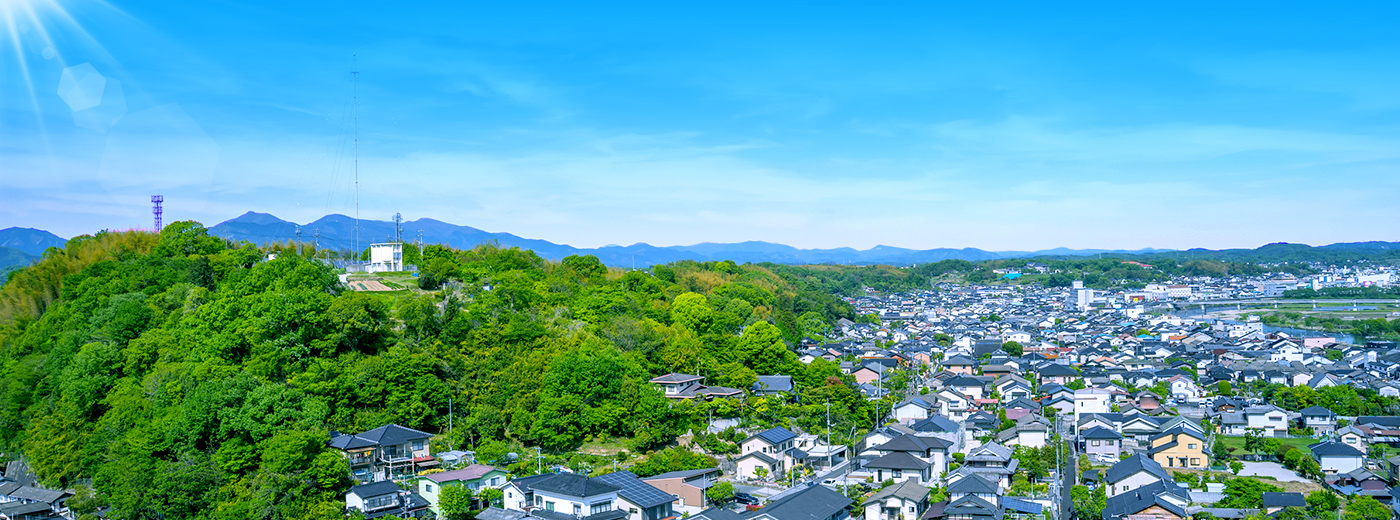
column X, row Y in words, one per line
column 1238, row 442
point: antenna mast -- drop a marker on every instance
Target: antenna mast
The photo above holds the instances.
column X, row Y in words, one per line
column 355, row 116
column 157, row 199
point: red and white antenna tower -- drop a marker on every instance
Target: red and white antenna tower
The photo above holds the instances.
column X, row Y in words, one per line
column 157, row 199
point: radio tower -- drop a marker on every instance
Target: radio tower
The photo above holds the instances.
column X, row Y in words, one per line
column 157, row 199
column 355, row 116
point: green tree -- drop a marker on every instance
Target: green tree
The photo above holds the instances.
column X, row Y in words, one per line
column 455, row 503
column 720, row 493
column 1246, row 493
column 1322, row 503
column 1013, row 348
column 1365, row 508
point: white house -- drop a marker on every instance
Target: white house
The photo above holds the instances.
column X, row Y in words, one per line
column 1092, row 400
column 1336, row 457
column 1270, row 420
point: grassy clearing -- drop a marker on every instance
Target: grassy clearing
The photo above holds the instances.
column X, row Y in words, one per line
column 1238, row 442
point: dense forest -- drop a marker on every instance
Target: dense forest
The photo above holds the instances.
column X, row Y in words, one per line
column 183, row 376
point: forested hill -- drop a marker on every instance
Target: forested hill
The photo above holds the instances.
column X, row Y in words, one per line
column 189, row 378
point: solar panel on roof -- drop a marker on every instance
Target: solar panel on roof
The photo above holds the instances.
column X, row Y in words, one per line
column 634, row 490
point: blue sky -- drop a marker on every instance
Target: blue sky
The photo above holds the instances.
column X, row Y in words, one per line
column 994, row 125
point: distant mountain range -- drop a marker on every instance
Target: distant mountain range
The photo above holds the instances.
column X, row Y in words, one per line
column 31, row 241
column 336, row 232
column 20, row 246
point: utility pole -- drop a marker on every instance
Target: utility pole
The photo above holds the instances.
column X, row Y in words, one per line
column 539, row 458
column 828, row 433
column 298, row 240
column 449, row 415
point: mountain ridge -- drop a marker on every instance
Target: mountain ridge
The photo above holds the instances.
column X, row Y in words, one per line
column 336, row 232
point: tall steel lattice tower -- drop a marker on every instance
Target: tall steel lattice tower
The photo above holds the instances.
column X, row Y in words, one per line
column 157, row 199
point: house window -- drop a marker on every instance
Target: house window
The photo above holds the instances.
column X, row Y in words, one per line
column 1191, row 446
column 601, row 507
column 549, row 506
column 1094, row 443
column 1275, row 419
column 1195, row 461
column 428, row 488
column 896, row 473
column 578, row 510
column 539, row 501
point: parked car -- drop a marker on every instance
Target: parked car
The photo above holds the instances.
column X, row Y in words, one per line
column 745, row 498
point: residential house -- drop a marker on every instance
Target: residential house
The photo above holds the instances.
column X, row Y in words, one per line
column 811, row 503
column 1092, row 400
column 960, row 365
column 384, row 498
column 518, row 493
column 577, row 495
column 966, row 484
column 1132, row 473
column 933, row 450
column 1157, row 501
column 992, row 461
column 1321, row 420
column 1269, row 420
column 1355, row 437
column 1179, row 447
column 1275, row 502
column 1102, row 443
column 769, row 450
column 1030, row 431
column 385, row 453
column 640, row 500
column 1058, row 374
column 900, row 466
column 688, row 487
column 772, row 385
column 473, row 477
column 913, row 409
column 972, row 508
column 687, row 386
column 1336, row 457
column 907, row 500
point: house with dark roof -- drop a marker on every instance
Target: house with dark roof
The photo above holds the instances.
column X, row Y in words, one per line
column 687, row 386
column 772, row 385
column 933, row 450
column 385, row 453
column 385, row 498
column 969, row 483
column 972, row 508
column 1160, row 501
column 518, row 493
column 903, row 501
column 1273, row 502
column 811, row 503
column 22, row 502
column 569, row 495
column 993, row 461
column 1321, row 420
column 1134, row 472
column 1101, row 443
column 900, row 466
column 641, row 500
column 1336, row 457
column 27, row 511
